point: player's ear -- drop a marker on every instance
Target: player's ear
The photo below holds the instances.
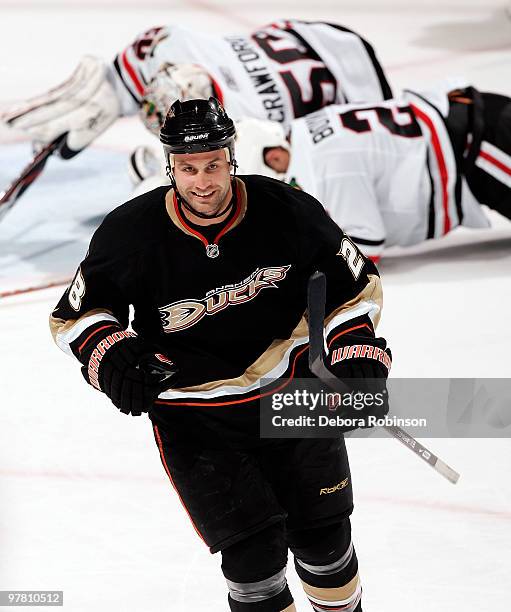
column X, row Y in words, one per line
column 277, row 158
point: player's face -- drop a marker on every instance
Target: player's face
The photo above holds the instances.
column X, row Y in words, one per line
column 204, row 181
column 277, row 158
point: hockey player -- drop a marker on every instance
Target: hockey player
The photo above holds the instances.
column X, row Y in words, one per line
column 395, row 173
column 285, row 70
column 216, row 268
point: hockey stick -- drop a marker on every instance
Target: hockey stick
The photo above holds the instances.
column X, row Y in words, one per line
column 24, row 290
column 28, row 175
column 316, row 296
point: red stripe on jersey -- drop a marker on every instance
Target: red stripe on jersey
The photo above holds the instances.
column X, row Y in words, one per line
column 185, row 224
column 233, row 220
column 495, row 162
column 346, row 331
column 244, row 400
column 202, row 238
column 162, row 456
column 251, row 398
column 94, row 333
column 131, row 71
column 441, row 163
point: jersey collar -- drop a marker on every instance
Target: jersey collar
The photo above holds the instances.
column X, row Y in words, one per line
column 180, row 221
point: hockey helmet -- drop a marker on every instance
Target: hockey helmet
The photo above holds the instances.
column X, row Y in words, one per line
column 197, row 126
column 253, row 137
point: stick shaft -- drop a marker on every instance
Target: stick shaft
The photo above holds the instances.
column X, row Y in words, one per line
column 316, row 305
column 23, row 290
column 27, row 176
column 424, row 453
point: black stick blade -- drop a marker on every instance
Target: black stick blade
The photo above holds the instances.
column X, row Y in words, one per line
column 316, row 296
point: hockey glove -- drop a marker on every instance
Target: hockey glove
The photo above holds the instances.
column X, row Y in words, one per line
column 362, row 362
column 81, row 108
column 127, row 369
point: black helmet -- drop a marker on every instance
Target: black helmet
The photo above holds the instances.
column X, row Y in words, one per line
column 196, row 126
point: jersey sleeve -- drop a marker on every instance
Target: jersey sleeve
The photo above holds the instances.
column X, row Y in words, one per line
column 133, row 68
column 93, row 301
column 354, row 294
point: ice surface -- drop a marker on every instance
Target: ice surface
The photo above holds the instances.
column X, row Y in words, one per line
column 85, row 504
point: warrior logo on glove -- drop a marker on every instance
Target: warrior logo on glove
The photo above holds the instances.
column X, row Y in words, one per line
column 98, row 353
column 361, row 351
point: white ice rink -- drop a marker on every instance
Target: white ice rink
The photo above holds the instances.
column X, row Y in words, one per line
column 85, row 506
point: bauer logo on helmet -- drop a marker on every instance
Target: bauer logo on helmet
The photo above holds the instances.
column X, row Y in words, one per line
column 193, row 137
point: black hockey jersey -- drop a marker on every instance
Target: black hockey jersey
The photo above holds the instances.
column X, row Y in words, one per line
column 230, row 320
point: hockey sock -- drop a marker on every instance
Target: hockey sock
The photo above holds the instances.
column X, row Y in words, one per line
column 327, row 565
column 255, row 570
column 283, row 602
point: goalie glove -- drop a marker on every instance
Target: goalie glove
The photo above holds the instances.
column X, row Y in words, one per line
column 81, row 108
column 363, row 363
column 128, row 370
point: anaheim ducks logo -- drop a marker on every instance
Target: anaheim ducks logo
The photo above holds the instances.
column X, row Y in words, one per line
column 186, row 313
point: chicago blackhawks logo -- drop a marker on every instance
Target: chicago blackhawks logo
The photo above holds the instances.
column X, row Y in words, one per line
column 186, row 313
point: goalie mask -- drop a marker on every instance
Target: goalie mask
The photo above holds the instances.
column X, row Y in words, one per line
column 197, row 126
column 253, row 137
column 172, row 82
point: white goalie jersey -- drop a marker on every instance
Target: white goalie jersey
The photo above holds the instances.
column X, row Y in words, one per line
column 385, row 173
column 280, row 72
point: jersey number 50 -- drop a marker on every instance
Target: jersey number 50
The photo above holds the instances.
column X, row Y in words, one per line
column 318, row 77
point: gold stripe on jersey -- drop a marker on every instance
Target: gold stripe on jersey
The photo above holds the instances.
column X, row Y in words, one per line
column 272, row 364
column 277, row 360
column 372, row 292
column 241, row 195
column 65, row 331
